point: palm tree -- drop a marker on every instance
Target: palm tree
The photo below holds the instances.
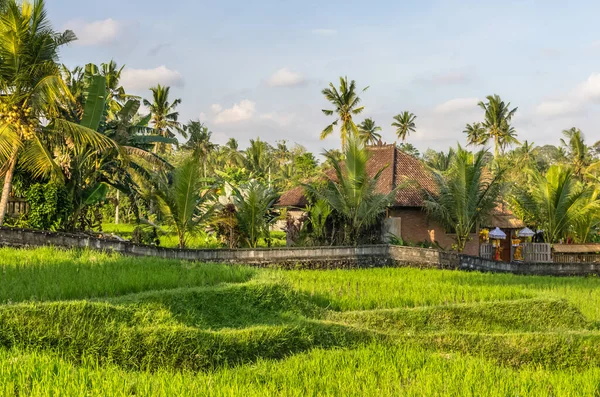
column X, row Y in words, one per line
column 577, row 151
column 254, row 203
column 405, row 124
column 368, row 132
column 497, row 119
column 33, row 89
column 475, row 134
column 346, row 102
column 185, row 200
column 199, row 142
column 351, row 192
column 466, row 194
column 556, row 202
column 258, row 158
column 439, row 161
column 164, row 116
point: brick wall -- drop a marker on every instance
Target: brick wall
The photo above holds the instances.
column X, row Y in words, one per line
column 417, row 228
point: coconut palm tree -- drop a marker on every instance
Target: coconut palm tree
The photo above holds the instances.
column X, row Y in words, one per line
column 405, row 124
column 185, row 201
column 199, row 142
column 497, row 119
column 556, row 202
column 439, row 161
column 475, row 134
column 351, row 191
column 33, row 89
column 466, row 194
column 578, row 152
column 164, row 116
column 346, row 102
column 369, row 131
column 259, row 159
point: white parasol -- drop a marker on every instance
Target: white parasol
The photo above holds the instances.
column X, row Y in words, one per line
column 497, row 234
column 527, row 232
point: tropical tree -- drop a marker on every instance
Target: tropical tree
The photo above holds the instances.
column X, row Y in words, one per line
column 199, row 142
column 369, row 131
column 466, row 194
column 497, row 123
column 255, row 213
column 476, row 134
column 439, row 161
column 346, row 103
column 32, row 90
column 557, row 202
column 165, row 119
column 409, row 148
column 185, row 201
column 578, row 153
column 351, row 191
column 259, row 158
column 404, row 124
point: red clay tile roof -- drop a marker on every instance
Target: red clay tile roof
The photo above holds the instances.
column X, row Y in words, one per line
column 401, row 170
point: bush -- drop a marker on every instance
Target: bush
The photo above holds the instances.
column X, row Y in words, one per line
column 50, row 206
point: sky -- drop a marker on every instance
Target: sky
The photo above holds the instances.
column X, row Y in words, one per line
column 256, row 68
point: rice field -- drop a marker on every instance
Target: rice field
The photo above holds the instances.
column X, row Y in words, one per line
column 82, row 323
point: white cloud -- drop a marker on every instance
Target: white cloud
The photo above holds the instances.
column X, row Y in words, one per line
column 281, row 119
column 139, row 79
column 244, row 110
column 97, row 32
column 556, row 108
column 216, row 108
column 574, row 101
column 457, row 105
column 324, row 32
column 285, row 78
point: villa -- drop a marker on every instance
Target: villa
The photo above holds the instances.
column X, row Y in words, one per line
column 405, row 217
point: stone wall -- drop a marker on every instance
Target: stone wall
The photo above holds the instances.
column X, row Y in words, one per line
column 539, row 269
column 426, row 258
column 313, row 257
column 301, row 258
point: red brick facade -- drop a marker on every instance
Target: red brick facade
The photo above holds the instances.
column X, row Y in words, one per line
column 417, row 228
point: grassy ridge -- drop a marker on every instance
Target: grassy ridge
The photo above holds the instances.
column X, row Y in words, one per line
column 46, row 274
column 174, row 329
column 525, row 315
column 368, row 289
column 85, row 323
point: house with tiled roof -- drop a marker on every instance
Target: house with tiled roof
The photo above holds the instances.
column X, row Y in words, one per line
column 405, row 217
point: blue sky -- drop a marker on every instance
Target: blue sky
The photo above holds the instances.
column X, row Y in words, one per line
column 257, row 68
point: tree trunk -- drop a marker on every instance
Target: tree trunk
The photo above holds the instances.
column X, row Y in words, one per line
column 8, row 184
column 496, row 144
column 117, row 209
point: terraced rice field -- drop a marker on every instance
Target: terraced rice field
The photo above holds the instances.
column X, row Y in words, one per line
column 81, row 323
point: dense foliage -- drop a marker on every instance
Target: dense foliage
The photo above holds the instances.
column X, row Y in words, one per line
column 77, row 131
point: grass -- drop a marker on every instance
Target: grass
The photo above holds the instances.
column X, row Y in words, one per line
column 84, row 323
column 48, row 274
column 169, row 239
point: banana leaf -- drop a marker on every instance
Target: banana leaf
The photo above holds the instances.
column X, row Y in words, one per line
column 95, row 102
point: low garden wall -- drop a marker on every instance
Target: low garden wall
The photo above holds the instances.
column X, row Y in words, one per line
column 300, row 258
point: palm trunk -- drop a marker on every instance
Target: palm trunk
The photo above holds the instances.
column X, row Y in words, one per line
column 496, row 149
column 8, row 184
column 117, row 209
